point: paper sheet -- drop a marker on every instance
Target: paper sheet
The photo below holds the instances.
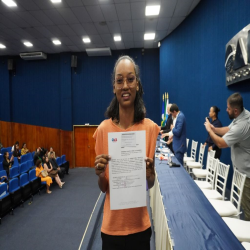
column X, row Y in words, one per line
column 127, row 169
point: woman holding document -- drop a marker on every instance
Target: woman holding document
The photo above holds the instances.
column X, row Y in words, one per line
column 125, row 228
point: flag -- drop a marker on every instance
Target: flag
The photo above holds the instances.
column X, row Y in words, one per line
column 167, row 102
column 163, row 111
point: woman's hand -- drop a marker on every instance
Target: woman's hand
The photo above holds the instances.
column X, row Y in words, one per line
column 164, row 135
column 149, row 167
column 101, row 162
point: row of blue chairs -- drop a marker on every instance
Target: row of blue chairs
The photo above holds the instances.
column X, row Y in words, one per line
column 20, row 189
column 8, row 149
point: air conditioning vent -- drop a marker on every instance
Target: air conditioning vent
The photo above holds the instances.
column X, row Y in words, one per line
column 99, row 52
column 33, row 56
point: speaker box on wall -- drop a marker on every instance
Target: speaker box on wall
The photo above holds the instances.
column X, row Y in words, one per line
column 73, row 61
column 10, row 64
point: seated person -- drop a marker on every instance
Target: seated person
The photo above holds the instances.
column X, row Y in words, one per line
column 55, row 166
column 24, row 149
column 7, row 163
column 52, row 173
column 37, row 155
column 3, row 179
column 16, row 153
column 39, row 170
column 51, row 151
column 13, row 147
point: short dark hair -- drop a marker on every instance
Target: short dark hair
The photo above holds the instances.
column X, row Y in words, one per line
column 174, row 107
column 140, row 110
column 235, row 101
column 216, row 110
column 38, row 162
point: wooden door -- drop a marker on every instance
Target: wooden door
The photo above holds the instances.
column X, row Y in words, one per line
column 84, row 146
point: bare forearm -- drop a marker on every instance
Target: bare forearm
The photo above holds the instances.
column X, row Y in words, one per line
column 103, row 184
column 221, row 131
column 218, row 140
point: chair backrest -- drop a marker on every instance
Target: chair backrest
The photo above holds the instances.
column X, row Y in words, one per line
column 23, row 168
column 193, row 149
column 211, row 170
column 24, row 179
column 29, row 156
column 58, row 161
column 16, row 163
column 237, row 188
column 63, row 158
column 221, row 178
column 3, row 150
column 3, row 173
column 201, row 153
column 1, row 166
column 13, row 185
column 32, row 154
column 1, row 158
column 9, row 149
column 30, row 164
column 32, row 175
column 10, row 154
column 24, row 158
column 3, row 190
column 210, row 153
column 14, row 171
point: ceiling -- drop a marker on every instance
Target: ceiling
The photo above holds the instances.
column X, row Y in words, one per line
column 40, row 21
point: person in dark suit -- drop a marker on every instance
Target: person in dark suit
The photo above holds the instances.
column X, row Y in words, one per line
column 167, row 127
column 213, row 115
column 178, row 133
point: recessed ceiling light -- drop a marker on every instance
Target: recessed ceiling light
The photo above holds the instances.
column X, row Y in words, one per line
column 86, row 40
column 55, row 1
column 152, row 10
column 149, row 36
column 9, row 3
column 117, row 38
column 28, row 44
column 2, row 46
column 56, row 42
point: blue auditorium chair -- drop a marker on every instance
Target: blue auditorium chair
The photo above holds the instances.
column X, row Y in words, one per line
column 10, row 154
column 1, row 166
column 5, row 201
column 30, row 164
column 34, row 181
column 29, row 156
column 16, row 163
column 15, row 192
column 3, row 173
column 58, row 161
column 9, row 149
column 14, row 172
column 25, row 186
column 24, row 158
column 3, row 150
column 33, row 154
column 23, row 168
column 1, row 158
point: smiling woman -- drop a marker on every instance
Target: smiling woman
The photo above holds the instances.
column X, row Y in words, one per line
column 127, row 113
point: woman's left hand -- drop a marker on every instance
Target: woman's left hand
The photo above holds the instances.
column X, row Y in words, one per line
column 149, row 167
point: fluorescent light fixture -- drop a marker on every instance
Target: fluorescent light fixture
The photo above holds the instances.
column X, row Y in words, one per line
column 2, row 46
column 152, row 10
column 9, row 3
column 86, row 40
column 56, row 42
column 117, row 38
column 149, row 36
column 55, row 1
column 28, row 44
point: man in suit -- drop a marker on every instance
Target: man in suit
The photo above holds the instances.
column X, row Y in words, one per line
column 178, row 133
column 167, row 128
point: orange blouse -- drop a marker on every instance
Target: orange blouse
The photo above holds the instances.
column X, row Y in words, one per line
column 133, row 220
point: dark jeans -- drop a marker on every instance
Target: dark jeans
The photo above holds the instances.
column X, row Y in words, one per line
column 217, row 153
column 179, row 157
column 137, row 241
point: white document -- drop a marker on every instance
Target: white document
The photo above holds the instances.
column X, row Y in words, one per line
column 127, row 169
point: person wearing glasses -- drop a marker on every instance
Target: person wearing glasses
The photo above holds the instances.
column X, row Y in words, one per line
column 126, row 112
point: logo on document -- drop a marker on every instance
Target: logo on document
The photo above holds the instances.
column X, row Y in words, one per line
column 114, row 139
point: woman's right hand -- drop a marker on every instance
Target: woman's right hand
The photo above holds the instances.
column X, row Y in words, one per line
column 101, row 162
